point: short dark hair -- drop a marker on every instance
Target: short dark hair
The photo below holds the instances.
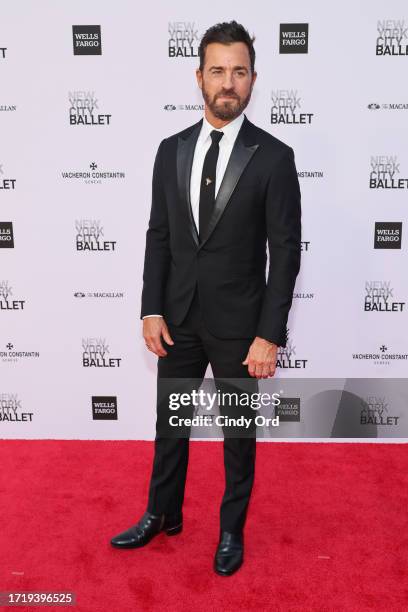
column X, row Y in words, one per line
column 227, row 33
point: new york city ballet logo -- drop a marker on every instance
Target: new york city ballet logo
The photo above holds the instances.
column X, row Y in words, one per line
column 3, row 53
column 287, row 358
column 384, row 173
column 286, row 108
column 392, row 37
column 184, row 39
column 95, row 354
column 293, row 38
column 375, row 411
column 379, row 297
column 83, row 109
column 11, row 409
column 90, row 236
column 6, row 183
column 7, row 299
column 87, row 39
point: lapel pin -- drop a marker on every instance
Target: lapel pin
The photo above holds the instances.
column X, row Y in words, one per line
column 208, row 181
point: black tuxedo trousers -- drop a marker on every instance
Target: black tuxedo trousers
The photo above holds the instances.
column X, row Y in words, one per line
column 195, row 347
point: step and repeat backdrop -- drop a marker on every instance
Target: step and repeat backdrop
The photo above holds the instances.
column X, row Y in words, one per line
column 88, row 91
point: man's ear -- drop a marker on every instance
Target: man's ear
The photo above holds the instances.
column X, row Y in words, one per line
column 254, row 75
column 199, row 77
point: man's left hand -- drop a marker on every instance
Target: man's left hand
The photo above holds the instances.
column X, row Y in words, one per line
column 261, row 358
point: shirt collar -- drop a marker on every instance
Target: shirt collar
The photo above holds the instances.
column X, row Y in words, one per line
column 230, row 130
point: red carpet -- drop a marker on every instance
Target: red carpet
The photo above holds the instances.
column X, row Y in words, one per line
column 327, row 528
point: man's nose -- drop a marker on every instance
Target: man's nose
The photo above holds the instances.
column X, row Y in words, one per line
column 228, row 81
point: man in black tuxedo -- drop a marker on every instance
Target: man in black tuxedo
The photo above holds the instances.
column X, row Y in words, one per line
column 223, row 189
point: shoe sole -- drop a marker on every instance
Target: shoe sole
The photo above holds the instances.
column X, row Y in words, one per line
column 227, row 573
column 170, row 531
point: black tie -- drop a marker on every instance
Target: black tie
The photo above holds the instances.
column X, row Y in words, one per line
column 207, row 188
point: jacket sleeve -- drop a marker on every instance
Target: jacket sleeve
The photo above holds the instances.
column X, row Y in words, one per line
column 157, row 251
column 283, row 225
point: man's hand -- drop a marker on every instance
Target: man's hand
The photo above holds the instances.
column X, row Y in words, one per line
column 153, row 330
column 261, row 358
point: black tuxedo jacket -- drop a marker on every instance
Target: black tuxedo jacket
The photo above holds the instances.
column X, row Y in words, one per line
column 258, row 203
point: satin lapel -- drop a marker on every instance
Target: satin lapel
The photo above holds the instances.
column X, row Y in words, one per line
column 239, row 158
column 185, row 155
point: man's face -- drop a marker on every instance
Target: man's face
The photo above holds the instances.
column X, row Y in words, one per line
column 226, row 80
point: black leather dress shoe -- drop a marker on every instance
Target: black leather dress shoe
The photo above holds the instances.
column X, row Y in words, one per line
column 148, row 527
column 230, row 553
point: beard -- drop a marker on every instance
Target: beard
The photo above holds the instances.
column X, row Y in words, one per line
column 226, row 110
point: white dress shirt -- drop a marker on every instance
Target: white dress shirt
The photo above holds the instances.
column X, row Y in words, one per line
column 203, row 144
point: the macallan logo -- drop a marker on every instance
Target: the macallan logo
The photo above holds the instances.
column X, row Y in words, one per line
column 303, row 295
column 184, row 107
column 99, row 294
column 388, row 106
